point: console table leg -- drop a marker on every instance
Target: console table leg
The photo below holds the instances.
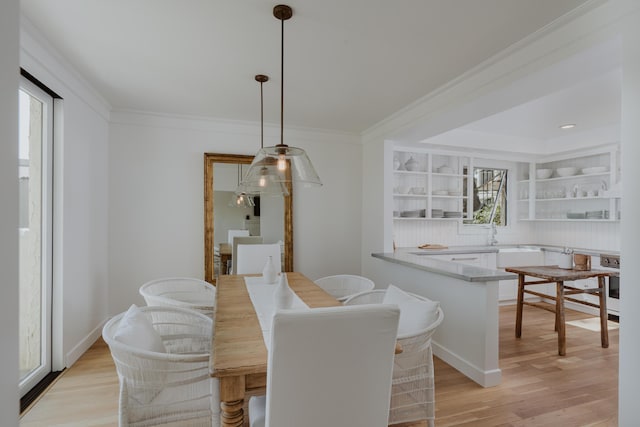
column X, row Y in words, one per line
column 519, row 305
column 604, row 317
column 562, row 339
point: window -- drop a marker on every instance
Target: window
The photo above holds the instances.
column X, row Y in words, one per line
column 489, row 196
column 35, row 168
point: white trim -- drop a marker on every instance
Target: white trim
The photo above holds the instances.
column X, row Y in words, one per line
column 208, row 124
column 488, row 378
column 84, row 345
column 57, row 296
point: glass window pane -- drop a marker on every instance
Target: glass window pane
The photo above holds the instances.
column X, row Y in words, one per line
column 489, row 196
column 30, row 256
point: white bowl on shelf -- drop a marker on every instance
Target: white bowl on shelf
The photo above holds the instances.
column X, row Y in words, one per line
column 569, row 171
column 544, row 173
column 440, row 193
column 594, row 169
column 417, row 190
column 402, row 189
column 445, row 169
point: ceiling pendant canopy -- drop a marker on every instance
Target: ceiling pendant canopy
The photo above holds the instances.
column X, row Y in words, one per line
column 281, row 162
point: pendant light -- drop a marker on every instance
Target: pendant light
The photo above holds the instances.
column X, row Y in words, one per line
column 241, row 199
column 291, row 163
column 268, row 183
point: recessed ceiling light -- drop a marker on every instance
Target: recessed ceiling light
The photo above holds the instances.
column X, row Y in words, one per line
column 568, row 126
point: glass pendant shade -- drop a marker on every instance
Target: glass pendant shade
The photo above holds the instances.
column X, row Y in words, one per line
column 242, row 200
column 266, row 184
column 283, row 164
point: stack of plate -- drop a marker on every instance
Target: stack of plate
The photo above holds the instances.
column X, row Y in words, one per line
column 602, row 214
column 420, row 213
column 576, row 215
column 437, row 213
column 451, row 214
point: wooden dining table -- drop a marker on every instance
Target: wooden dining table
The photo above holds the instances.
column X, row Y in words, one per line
column 239, row 355
column 559, row 276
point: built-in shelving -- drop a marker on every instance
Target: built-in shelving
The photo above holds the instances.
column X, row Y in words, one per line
column 555, row 198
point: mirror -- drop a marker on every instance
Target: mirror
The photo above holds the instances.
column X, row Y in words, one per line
column 273, row 219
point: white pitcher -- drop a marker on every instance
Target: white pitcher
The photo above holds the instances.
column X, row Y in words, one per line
column 283, row 295
column 269, row 273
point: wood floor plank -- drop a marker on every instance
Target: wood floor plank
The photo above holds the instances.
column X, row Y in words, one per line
column 539, row 388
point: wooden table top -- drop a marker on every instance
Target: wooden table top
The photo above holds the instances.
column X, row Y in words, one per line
column 556, row 274
column 238, row 345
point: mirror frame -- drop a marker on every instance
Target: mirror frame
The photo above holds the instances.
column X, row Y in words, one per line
column 209, row 160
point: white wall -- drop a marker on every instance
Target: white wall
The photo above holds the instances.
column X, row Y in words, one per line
column 156, row 198
column 80, row 193
column 9, row 401
column 629, row 378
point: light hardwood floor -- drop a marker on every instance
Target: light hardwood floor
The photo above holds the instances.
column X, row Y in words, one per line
column 539, row 388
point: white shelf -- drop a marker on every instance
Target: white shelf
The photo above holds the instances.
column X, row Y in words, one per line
column 448, row 175
column 546, row 209
column 401, row 172
column 568, row 220
column 431, row 180
column 401, row 218
column 572, row 199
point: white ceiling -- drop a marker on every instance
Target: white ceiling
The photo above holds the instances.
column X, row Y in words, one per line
column 348, row 64
column 588, row 104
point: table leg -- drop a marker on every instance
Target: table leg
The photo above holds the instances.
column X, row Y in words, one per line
column 562, row 341
column 604, row 330
column 232, row 401
column 519, row 305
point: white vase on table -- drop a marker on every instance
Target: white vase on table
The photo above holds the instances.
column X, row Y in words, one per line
column 283, row 295
column 269, row 273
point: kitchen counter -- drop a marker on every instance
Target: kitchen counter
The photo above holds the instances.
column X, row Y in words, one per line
column 488, row 249
column 467, row 339
column 424, row 262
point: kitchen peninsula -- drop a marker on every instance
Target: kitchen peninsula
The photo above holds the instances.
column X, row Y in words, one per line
column 468, row 337
column 469, row 282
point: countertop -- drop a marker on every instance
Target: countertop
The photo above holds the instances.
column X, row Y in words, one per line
column 496, row 248
column 456, row 270
column 419, row 259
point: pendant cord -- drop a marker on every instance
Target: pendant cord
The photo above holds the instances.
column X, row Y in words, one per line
column 261, row 118
column 282, row 83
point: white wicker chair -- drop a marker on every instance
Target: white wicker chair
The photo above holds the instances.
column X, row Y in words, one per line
column 172, row 388
column 342, row 286
column 194, row 294
column 413, row 390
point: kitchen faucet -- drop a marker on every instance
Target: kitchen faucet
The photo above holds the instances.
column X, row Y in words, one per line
column 493, row 241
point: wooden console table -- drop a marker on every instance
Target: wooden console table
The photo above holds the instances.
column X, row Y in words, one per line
column 551, row 274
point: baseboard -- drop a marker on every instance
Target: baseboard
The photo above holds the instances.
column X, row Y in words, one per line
column 72, row 356
column 484, row 378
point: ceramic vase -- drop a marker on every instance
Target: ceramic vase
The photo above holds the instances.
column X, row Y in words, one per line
column 283, row 295
column 269, row 273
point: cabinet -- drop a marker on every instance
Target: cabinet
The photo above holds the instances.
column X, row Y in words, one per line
column 485, row 260
column 579, row 188
column 428, row 186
